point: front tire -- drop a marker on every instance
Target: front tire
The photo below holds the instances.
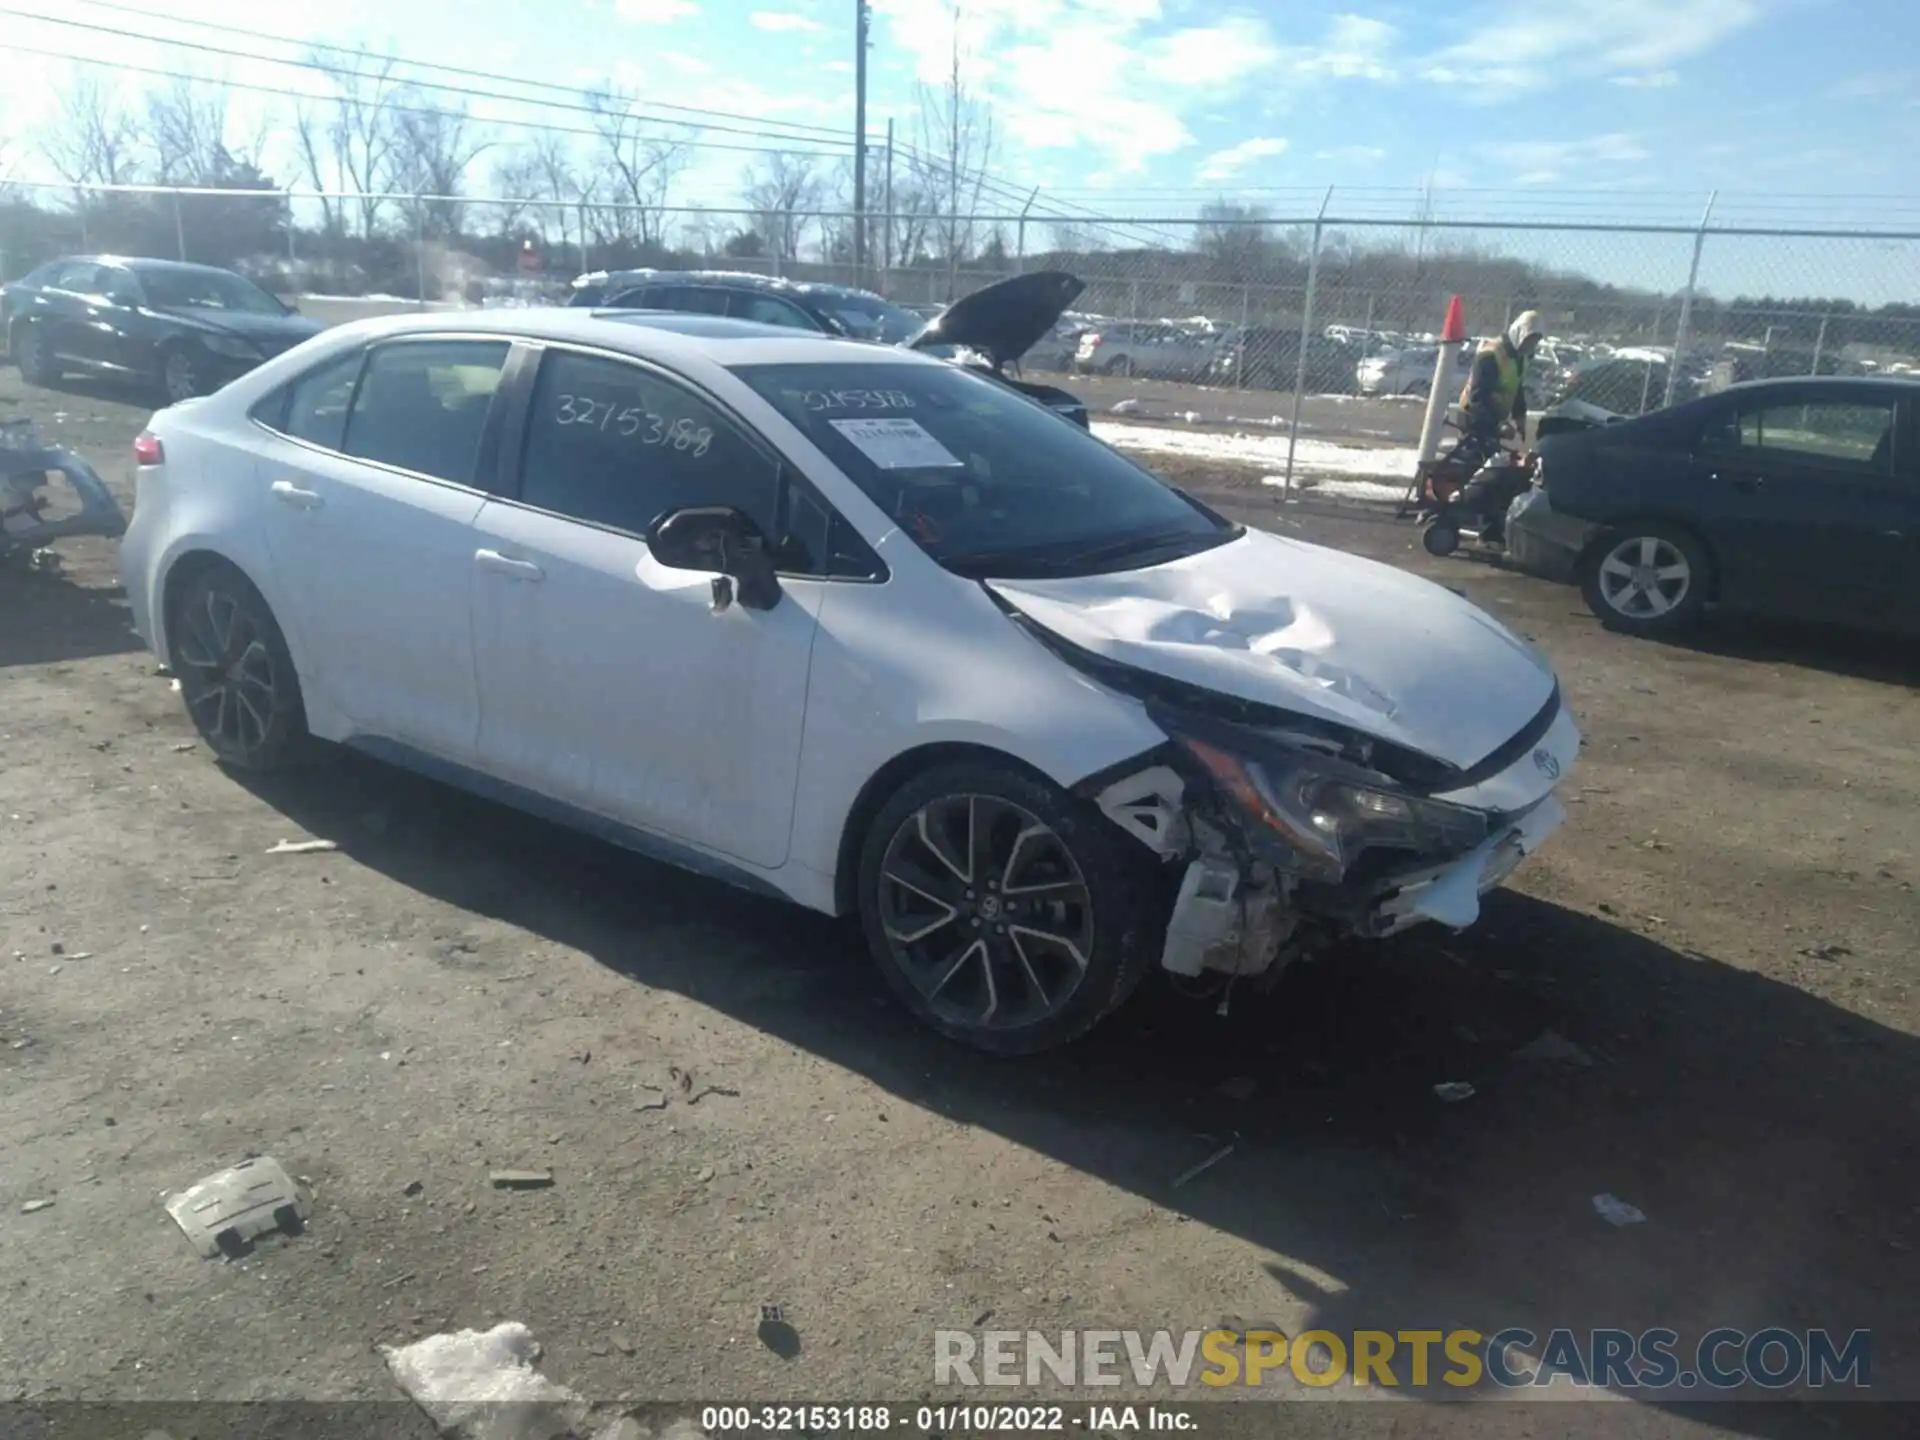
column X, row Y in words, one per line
column 236, row 673
column 34, row 356
column 1648, row 578
column 1003, row 913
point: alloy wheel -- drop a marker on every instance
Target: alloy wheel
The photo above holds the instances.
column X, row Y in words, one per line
column 1644, row 577
column 180, row 376
column 986, row 912
column 227, row 673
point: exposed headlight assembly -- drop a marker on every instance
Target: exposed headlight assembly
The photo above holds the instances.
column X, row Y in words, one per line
column 1324, row 815
column 231, row 346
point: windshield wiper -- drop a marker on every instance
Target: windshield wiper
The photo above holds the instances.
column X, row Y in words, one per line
column 1013, row 563
column 1141, row 546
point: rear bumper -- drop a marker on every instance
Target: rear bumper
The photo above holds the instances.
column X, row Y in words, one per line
column 1543, row 542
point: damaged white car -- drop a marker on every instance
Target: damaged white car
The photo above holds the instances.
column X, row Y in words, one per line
column 849, row 626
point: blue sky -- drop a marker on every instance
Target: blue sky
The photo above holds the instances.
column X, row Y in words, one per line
column 1150, row 106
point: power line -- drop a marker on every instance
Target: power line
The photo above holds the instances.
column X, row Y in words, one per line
column 394, row 108
column 360, row 53
column 466, row 92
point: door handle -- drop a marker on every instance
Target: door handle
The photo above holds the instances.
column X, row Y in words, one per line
column 291, row 494
column 506, row 565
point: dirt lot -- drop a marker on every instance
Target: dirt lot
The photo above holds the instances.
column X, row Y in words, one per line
column 735, row 1115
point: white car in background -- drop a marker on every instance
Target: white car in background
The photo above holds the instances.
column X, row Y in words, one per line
column 1410, row 371
column 846, row 625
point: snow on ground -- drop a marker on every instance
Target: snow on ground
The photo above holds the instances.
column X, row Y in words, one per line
column 1350, row 471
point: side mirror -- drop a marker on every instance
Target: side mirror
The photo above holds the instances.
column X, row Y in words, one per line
column 723, row 541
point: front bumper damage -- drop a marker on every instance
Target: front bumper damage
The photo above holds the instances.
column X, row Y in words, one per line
column 35, row 507
column 1242, row 908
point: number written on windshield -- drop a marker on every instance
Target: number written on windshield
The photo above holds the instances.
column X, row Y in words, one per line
column 635, row 422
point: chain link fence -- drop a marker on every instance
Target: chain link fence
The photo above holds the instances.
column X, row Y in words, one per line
column 1637, row 315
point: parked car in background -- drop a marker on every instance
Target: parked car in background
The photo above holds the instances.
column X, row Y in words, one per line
column 989, row 329
column 1796, row 497
column 843, row 625
column 1055, row 350
column 1410, row 371
column 1155, row 348
column 1629, row 382
column 1267, row 357
column 184, row 330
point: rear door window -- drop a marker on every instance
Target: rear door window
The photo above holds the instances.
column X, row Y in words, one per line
column 422, row 406
column 769, row 310
column 1847, row 435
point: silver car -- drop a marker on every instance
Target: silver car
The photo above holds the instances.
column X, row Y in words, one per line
column 1410, row 372
column 1138, row 347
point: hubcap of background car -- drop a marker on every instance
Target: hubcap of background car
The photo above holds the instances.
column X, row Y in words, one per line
column 182, row 382
column 986, row 912
column 1644, row 577
column 226, row 673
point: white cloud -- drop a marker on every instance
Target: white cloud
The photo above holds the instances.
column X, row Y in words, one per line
column 778, row 20
column 686, row 64
column 1549, row 162
column 1599, row 37
column 1355, row 155
column 1356, row 48
column 839, row 67
column 1877, row 85
column 655, row 12
column 1649, row 80
column 1212, row 54
column 1225, row 164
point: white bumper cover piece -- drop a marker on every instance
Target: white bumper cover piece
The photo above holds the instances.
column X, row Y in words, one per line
column 1450, row 894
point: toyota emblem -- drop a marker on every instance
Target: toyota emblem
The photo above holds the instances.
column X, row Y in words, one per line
column 1546, row 764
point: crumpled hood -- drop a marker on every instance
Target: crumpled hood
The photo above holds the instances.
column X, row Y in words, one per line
column 1312, row 630
column 270, row 332
column 1006, row 319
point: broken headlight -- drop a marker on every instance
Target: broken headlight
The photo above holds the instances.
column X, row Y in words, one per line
column 1325, row 814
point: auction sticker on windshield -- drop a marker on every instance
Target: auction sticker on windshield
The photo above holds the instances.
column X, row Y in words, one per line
column 896, row 444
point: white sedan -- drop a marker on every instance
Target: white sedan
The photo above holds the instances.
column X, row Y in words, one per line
column 847, row 625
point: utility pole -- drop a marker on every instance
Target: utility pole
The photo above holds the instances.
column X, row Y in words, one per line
column 862, row 15
column 886, row 207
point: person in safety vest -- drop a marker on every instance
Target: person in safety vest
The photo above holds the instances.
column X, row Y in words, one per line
column 1493, row 405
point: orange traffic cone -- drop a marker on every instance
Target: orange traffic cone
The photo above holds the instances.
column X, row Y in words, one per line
column 1455, row 330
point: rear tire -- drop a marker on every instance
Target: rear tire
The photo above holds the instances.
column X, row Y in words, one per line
column 1441, row 537
column 236, row 673
column 183, row 373
column 34, row 356
column 1003, row 913
column 1120, row 367
column 1647, row 578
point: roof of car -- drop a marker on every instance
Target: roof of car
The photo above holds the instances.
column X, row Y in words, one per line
column 1823, row 382
column 143, row 265
column 666, row 335
column 744, row 279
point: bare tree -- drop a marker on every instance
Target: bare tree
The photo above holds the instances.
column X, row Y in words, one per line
column 516, row 180
column 313, row 138
column 431, row 152
column 364, row 127
column 639, row 169
column 1234, row 235
column 955, row 152
column 92, row 140
column 781, row 189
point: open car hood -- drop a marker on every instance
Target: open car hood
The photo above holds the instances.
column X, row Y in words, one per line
column 1313, row 631
column 1006, row 319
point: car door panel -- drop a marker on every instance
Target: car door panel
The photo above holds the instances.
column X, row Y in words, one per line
column 1800, row 533
column 611, row 682
column 378, row 557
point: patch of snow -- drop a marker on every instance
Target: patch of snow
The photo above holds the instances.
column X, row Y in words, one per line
column 1388, row 465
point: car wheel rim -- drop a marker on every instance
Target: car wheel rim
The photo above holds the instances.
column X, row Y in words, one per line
column 1645, row 577
column 986, row 912
column 181, row 380
column 227, row 673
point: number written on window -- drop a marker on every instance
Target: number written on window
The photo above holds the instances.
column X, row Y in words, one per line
column 636, row 423
column 857, row 400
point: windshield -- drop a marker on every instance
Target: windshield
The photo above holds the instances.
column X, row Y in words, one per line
column 868, row 317
column 207, row 290
column 987, row 481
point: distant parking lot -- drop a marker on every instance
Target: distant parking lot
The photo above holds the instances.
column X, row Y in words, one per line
column 1719, row 943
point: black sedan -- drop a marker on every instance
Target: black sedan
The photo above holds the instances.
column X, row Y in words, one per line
column 1795, row 497
column 184, row 329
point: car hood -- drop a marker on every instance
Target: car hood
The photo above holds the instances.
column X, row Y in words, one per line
column 272, row 331
column 1006, row 319
column 1313, row 631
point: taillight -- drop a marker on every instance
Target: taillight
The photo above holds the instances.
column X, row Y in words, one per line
column 1091, row 340
column 147, row 449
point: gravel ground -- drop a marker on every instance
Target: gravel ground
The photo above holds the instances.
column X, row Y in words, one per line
column 734, row 1115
